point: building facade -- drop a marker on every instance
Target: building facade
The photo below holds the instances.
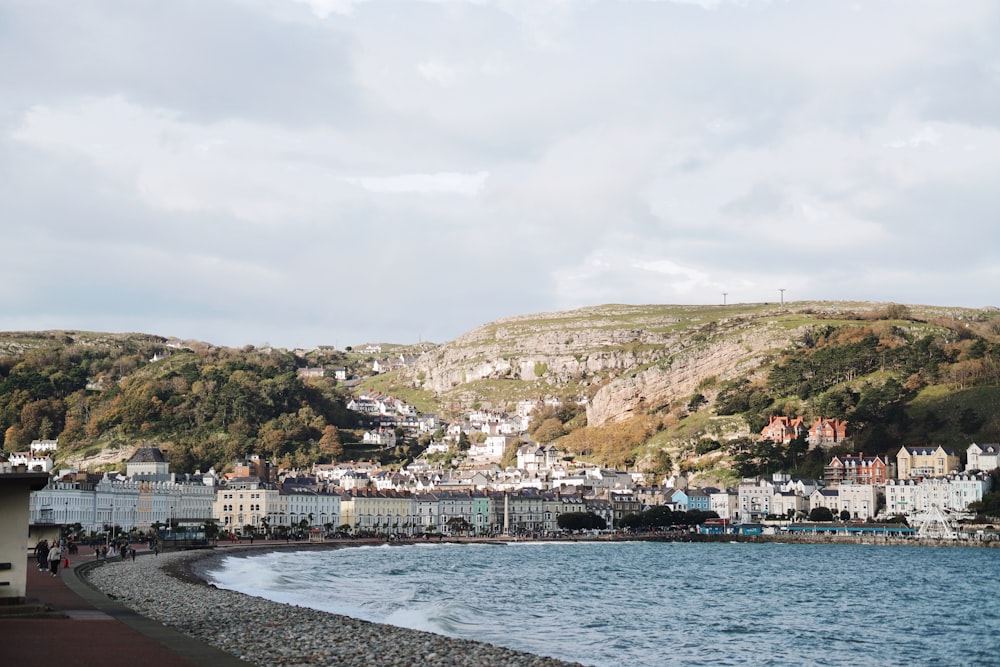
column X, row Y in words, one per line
column 919, row 462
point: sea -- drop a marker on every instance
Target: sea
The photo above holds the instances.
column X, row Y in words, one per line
column 613, row 604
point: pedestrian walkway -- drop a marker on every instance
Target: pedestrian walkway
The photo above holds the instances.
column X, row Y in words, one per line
column 82, row 626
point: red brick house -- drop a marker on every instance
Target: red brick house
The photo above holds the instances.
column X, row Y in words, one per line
column 783, row 429
column 858, row 469
column 827, row 432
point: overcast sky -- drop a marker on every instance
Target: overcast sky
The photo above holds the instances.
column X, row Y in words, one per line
column 306, row 172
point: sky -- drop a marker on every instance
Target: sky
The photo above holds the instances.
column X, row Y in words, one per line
column 298, row 173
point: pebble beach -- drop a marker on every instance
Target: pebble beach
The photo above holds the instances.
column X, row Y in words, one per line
column 167, row 589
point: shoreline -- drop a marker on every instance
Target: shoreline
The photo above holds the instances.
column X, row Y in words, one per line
column 174, row 590
column 171, row 589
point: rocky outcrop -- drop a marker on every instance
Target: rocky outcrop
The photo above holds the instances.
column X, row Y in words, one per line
column 623, row 359
column 681, row 378
column 618, row 358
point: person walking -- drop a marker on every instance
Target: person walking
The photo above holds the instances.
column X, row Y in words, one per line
column 42, row 554
column 55, row 555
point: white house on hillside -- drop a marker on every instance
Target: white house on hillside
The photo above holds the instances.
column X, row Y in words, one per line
column 31, row 461
column 533, row 457
column 983, row 457
column 382, row 438
column 39, row 446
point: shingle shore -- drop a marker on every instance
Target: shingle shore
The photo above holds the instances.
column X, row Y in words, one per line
column 271, row 633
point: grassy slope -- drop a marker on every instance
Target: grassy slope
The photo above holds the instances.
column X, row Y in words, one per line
column 707, row 324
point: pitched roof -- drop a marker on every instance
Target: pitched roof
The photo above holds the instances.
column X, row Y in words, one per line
column 928, row 451
column 147, row 455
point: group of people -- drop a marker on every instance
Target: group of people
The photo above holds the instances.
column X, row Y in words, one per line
column 50, row 556
column 114, row 550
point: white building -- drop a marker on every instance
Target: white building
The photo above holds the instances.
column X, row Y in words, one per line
column 491, row 449
column 32, row 461
column 318, row 509
column 983, row 457
column 150, row 495
column 44, row 445
column 754, row 502
column 724, row 503
column 788, row 504
column 533, row 457
column 382, row 438
column 954, row 492
column 860, row 501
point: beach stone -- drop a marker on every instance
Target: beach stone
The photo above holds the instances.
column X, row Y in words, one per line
column 167, row 589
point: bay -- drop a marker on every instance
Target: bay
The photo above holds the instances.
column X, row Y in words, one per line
column 644, row 604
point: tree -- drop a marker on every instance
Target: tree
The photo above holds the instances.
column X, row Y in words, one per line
column 661, row 464
column 969, row 421
column 459, row 525
column 845, row 515
column 696, row 402
column 549, row 430
column 211, row 530
column 581, row 521
column 821, row 514
column 706, row 445
column 509, row 458
column 732, row 398
column 329, row 442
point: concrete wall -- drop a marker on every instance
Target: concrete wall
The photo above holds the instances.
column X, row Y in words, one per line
column 14, row 492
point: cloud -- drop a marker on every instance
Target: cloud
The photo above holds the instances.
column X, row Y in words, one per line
column 438, row 72
column 255, row 173
column 468, row 185
column 321, row 170
column 324, row 8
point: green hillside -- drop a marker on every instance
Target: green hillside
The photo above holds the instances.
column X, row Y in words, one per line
column 100, row 394
column 710, row 378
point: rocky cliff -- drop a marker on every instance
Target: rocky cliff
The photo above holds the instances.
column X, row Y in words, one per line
column 620, row 358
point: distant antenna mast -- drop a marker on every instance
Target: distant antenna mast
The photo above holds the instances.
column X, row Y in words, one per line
column 782, row 290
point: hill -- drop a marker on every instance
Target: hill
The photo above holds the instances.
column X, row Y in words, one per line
column 657, row 382
column 660, row 388
column 101, row 394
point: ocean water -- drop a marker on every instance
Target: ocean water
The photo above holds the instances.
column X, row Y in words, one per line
column 644, row 604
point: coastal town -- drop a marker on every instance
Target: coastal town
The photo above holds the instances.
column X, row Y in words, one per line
column 472, row 495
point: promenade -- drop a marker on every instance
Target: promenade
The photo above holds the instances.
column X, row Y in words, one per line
column 85, row 627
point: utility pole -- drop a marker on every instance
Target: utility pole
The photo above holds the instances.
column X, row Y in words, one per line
column 782, row 290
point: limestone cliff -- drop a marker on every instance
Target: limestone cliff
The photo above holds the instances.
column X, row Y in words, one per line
column 618, row 358
column 621, row 358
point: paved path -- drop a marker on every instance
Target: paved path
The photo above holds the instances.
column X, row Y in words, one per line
column 87, row 628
